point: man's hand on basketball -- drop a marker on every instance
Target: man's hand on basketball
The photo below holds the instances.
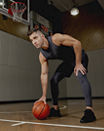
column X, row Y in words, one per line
column 43, row 98
column 81, row 68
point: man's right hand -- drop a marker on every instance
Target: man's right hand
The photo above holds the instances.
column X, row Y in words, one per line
column 43, row 98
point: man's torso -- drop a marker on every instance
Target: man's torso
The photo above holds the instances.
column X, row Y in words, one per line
column 64, row 53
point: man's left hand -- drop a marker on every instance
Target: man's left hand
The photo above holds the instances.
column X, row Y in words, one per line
column 81, row 68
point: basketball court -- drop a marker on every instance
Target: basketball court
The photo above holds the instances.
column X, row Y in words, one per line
column 18, row 116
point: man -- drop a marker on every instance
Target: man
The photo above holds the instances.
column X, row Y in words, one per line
column 68, row 49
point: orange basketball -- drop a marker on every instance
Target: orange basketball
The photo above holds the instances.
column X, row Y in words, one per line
column 40, row 110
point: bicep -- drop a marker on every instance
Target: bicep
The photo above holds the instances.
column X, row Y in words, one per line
column 44, row 68
column 69, row 41
column 44, row 64
column 66, row 40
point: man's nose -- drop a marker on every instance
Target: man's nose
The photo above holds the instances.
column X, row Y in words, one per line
column 33, row 42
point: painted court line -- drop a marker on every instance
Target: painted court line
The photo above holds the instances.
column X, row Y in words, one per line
column 21, row 123
column 15, row 112
column 47, row 124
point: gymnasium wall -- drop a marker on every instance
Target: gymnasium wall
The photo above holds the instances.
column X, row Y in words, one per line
column 18, row 69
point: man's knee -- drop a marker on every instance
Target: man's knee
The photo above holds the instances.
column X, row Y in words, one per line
column 54, row 80
column 81, row 77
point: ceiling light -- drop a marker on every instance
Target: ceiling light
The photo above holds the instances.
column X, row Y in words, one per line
column 74, row 11
column 1, row 2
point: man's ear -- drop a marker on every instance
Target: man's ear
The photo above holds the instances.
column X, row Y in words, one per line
column 42, row 36
column 29, row 37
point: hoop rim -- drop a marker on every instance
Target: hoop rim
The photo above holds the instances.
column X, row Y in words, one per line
column 19, row 10
column 17, row 2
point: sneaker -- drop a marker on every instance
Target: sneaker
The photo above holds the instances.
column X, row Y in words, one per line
column 54, row 113
column 89, row 116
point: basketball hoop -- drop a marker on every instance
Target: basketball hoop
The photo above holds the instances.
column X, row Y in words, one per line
column 17, row 8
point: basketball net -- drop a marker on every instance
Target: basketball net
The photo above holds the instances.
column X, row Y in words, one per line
column 17, row 8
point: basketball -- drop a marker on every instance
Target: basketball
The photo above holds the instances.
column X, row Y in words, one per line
column 40, row 110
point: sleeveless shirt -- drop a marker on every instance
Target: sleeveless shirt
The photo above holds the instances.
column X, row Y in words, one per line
column 65, row 53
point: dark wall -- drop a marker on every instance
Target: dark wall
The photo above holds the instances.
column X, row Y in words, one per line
column 50, row 12
column 88, row 26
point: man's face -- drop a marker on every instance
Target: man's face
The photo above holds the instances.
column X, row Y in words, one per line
column 36, row 39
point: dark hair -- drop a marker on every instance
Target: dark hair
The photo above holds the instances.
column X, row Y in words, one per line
column 31, row 31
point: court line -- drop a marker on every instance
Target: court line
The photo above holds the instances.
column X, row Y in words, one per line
column 48, row 124
column 15, row 112
column 21, row 123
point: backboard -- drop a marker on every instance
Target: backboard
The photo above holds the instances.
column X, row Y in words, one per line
column 25, row 18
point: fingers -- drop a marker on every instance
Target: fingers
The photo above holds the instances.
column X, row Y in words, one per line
column 76, row 72
column 44, row 102
column 82, row 72
column 36, row 102
column 82, row 69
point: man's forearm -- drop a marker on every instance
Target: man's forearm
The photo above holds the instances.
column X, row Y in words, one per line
column 78, row 53
column 44, row 83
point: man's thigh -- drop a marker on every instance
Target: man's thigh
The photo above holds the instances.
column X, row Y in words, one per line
column 66, row 69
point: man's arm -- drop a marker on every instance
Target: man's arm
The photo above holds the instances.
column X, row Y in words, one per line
column 67, row 40
column 44, row 76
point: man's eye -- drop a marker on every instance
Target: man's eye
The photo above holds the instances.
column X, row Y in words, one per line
column 34, row 37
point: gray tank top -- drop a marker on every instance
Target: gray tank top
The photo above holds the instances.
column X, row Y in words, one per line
column 64, row 53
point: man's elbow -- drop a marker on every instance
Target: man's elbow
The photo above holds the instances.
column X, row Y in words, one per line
column 44, row 76
column 78, row 43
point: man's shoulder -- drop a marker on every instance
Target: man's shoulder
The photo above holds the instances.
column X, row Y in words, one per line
column 56, row 38
column 56, row 35
column 42, row 57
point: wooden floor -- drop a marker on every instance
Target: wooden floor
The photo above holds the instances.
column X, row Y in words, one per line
column 18, row 117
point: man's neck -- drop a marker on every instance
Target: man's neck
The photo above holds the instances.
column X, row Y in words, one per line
column 45, row 44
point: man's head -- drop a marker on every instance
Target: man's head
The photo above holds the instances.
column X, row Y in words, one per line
column 37, row 38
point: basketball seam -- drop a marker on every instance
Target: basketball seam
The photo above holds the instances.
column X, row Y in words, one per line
column 41, row 111
column 36, row 106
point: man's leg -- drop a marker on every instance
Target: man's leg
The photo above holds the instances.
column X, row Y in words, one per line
column 89, row 114
column 57, row 77
column 61, row 72
column 86, row 88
